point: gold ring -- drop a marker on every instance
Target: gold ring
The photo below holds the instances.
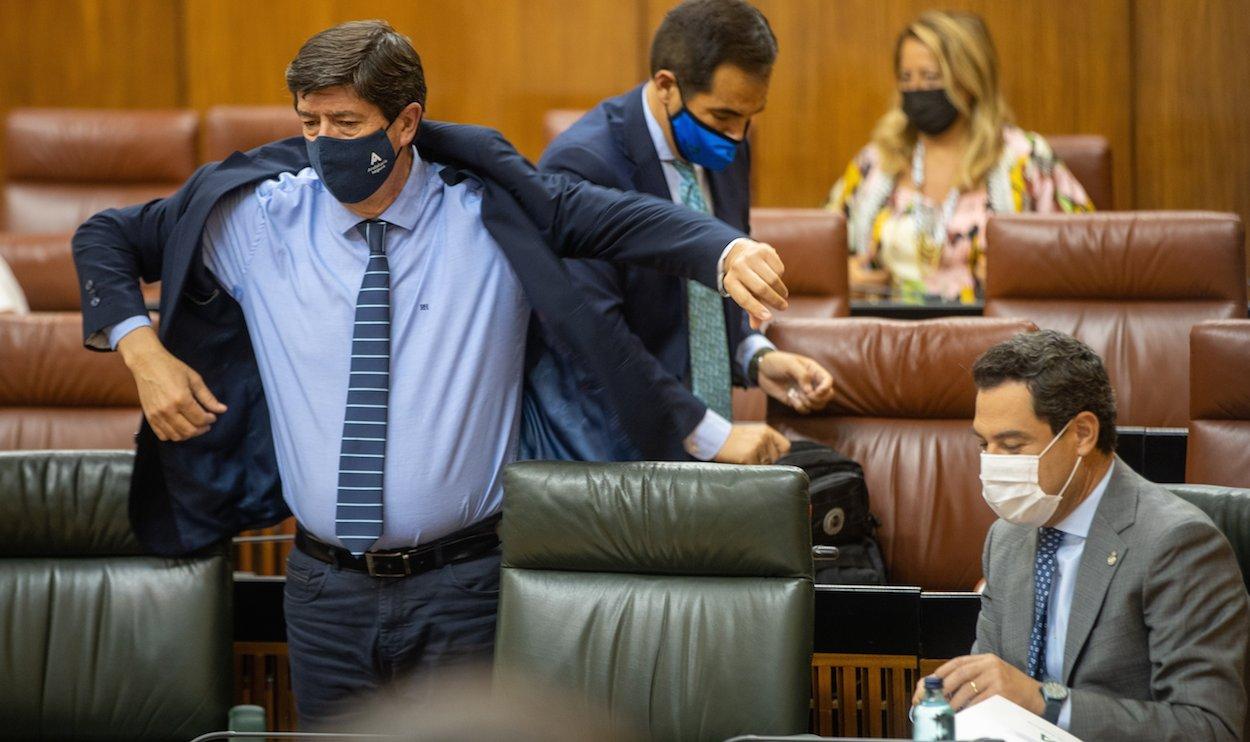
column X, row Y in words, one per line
column 972, row 684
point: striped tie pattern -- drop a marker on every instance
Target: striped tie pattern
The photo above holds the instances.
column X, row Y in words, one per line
column 709, row 347
column 1048, row 541
column 362, row 458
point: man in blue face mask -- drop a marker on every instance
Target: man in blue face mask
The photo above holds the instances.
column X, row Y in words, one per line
column 680, row 136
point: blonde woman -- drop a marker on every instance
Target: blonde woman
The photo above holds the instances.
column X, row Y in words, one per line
column 945, row 158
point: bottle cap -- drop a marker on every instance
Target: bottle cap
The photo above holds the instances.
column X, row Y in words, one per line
column 933, row 682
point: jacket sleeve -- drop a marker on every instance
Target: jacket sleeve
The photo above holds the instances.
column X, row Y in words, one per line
column 604, row 287
column 1194, row 605
column 988, row 620
column 117, row 248
column 588, row 221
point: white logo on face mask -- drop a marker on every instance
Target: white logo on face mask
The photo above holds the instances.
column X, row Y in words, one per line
column 1010, row 486
column 376, row 163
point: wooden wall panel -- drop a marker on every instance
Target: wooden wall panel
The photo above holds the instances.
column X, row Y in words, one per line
column 1064, row 72
column 89, row 53
column 501, row 63
column 1191, row 118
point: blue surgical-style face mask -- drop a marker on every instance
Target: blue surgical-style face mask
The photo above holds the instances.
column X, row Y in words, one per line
column 700, row 143
column 352, row 169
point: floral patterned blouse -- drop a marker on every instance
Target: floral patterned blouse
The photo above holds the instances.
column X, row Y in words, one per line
column 883, row 223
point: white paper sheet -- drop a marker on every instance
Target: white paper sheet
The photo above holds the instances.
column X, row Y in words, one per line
column 998, row 718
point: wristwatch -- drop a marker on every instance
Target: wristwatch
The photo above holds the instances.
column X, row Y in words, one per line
column 753, row 366
column 1054, row 693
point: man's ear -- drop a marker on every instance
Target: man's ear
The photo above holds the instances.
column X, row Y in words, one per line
column 1086, row 428
column 665, row 83
column 408, row 120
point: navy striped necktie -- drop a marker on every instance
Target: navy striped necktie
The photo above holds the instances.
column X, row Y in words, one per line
column 358, row 516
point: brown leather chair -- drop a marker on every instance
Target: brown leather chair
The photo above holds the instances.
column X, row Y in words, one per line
column 812, row 244
column 63, row 165
column 1089, row 158
column 229, row 129
column 556, row 120
column 56, row 395
column 903, row 408
column 1130, row 285
column 1219, row 404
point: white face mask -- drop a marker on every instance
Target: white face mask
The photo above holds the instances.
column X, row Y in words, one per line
column 1009, row 484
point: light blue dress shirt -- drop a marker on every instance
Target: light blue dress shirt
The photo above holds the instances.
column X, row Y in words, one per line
column 291, row 255
column 1075, row 529
column 713, row 430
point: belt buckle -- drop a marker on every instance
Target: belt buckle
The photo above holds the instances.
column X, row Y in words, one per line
column 378, row 568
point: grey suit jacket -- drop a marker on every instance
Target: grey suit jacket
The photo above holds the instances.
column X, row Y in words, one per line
column 1157, row 641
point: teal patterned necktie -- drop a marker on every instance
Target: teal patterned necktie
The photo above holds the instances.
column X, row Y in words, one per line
column 709, row 348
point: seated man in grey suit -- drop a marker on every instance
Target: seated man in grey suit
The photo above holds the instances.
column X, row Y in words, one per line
column 1111, row 607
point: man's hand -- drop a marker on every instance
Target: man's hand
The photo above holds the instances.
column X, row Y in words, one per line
column 175, row 400
column 795, row 380
column 991, row 676
column 753, row 279
column 752, row 443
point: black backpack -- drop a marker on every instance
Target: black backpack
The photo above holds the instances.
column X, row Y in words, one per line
column 844, row 551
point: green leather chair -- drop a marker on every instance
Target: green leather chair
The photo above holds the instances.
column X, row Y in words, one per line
column 97, row 639
column 1229, row 508
column 677, row 596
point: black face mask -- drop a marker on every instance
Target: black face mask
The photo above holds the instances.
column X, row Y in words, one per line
column 930, row 111
column 352, row 169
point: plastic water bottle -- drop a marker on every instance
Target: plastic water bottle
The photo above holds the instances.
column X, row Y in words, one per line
column 933, row 717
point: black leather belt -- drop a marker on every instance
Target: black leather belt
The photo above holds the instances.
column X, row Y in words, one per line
column 463, row 545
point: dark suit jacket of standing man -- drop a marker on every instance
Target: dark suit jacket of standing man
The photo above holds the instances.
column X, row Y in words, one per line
column 185, row 496
column 611, row 146
column 1157, row 633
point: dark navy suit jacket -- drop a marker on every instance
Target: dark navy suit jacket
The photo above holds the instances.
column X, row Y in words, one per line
column 188, row 495
column 611, row 146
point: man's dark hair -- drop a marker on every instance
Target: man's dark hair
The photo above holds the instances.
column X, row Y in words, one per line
column 1064, row 376
column 370, row 57
column 699, row 36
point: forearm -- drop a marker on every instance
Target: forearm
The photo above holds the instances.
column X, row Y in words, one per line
column 110, row 266
column 634, row 228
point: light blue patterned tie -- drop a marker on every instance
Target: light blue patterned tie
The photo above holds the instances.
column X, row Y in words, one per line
column 358, row 516
column 1048, row 541
column 709, row 347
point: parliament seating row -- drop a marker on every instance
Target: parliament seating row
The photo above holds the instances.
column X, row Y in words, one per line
column 910, row 427
column 63, row 165
column 1088, row 156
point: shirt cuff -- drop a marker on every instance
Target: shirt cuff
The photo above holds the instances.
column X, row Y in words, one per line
column 709, row 437
column 124, row 328
column 720, row 266
column 1065, row 715
column 750, row 345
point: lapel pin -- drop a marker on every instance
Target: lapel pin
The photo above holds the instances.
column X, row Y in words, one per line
column 1111, row 559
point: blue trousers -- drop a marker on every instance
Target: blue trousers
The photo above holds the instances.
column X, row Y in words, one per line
column 350, row 634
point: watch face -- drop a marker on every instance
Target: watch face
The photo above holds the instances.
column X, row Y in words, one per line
column 1054, row 691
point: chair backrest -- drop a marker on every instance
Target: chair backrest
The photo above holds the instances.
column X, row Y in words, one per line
column 679, row 596
column 101, row 640
column 812, row 245
column 1128, row 284
column 1088, row 156
column 1218, row 450
column 63, row 165
column 556, row 120
column 1229, row 508
column 56, row 395
column 43, row 264
column 903, row 406
column 229, row 129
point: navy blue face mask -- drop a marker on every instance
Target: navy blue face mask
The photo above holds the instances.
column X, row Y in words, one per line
column 700, row 143
column 352, row 169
